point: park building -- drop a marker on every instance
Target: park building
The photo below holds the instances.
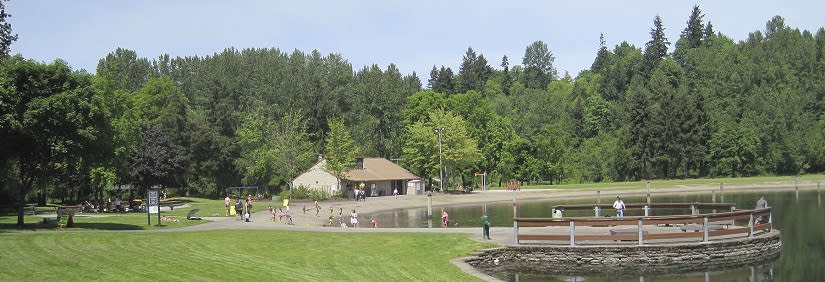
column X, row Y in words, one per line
column 379, row 177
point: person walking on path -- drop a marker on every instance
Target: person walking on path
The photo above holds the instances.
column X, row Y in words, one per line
column 228, row 203
column 317, row 208
column 395, row 192
column 618, row 205
column 485, row 229
column 249, row 203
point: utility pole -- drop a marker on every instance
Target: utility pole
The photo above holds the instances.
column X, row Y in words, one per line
column 440, row 131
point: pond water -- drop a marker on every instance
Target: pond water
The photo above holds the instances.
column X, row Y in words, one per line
column 798, row 214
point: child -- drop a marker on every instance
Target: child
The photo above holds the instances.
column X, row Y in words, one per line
column 246, row 216
column 374, row 222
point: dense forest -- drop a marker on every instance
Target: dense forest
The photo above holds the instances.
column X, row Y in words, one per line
column 704, row 106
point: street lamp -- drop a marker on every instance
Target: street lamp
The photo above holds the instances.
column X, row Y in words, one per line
column 440, row 131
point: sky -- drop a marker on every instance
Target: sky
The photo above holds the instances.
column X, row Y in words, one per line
column 414, row 35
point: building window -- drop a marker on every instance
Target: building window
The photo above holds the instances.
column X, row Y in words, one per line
column 359, row 163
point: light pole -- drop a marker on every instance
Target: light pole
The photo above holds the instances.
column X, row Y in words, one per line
column 440, row 131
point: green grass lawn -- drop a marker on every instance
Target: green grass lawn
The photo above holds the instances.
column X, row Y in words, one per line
column 233, row 255
column 129, row 220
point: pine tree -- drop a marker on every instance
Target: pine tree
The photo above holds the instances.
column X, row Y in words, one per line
column 708, row 32
column 6, row 36
column 432, row 83
column 655, row 49
column 508, row 80
column 473, row 73
column 602, row 56
column 446, row 82
column 694, row 32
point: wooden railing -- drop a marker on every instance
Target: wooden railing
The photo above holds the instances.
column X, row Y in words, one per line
column 647, row 208
column 711, row 225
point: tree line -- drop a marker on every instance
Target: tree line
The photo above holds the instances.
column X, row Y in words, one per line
column 707, row 107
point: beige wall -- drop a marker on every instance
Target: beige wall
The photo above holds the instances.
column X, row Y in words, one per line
column 316, row 178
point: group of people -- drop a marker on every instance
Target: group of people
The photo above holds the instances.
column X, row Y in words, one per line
column 360, row 194
column 242, row 208
column 281, row 215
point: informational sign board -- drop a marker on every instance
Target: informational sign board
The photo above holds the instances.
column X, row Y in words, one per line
column 153, row 202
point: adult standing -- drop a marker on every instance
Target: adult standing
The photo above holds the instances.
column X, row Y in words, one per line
column 353, row 218
column 485, row 220
column 249, row 203
column 239, row 209
column 761, row 203
column 228, row 203
column 618, row 205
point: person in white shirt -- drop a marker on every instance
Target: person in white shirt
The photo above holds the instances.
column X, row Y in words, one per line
column 618, row 205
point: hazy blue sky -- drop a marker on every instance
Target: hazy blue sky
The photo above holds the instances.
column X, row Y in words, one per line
column 415, row 35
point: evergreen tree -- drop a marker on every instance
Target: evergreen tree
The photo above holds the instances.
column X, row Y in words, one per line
column 708, row 31
column 445, row 80
column 473, row 73
column 432, row 83
column 602, row 56
column 6, row 36
column 507, row 81
column 639, row 137
column 656, row 48
column 695, row 30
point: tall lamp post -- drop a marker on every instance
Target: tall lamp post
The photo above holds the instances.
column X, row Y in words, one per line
column 440, row 131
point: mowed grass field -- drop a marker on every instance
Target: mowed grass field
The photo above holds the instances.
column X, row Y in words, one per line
column 677, row 182
column 233, row 255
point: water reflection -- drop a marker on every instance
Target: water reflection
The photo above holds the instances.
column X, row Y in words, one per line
column 759, row 273
column 801, row 220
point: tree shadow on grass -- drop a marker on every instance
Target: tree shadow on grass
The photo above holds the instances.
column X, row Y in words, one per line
column 106, row 226
column 12, row 227
column 176, row 201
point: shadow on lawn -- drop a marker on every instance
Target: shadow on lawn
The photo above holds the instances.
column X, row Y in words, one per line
column 105, row 226
column 9, row 227
column 177, row 201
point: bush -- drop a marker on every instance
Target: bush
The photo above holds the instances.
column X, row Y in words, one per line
column 303, row 193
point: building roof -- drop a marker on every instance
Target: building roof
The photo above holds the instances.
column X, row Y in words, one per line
column 379, row 169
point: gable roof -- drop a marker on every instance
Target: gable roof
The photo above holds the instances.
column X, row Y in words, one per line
column 379, row 169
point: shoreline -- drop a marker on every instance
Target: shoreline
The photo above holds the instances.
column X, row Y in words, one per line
column 373, row 205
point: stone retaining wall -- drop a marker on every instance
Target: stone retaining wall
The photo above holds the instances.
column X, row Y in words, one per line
column 659, row 258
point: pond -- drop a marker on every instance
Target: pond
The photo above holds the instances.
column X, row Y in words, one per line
column 798, row 214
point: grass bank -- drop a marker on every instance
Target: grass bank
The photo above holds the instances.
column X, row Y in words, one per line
column 678, row 182
column 237, row 255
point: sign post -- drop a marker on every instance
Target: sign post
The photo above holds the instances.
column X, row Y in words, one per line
column 483, row 180
column 152, row 206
